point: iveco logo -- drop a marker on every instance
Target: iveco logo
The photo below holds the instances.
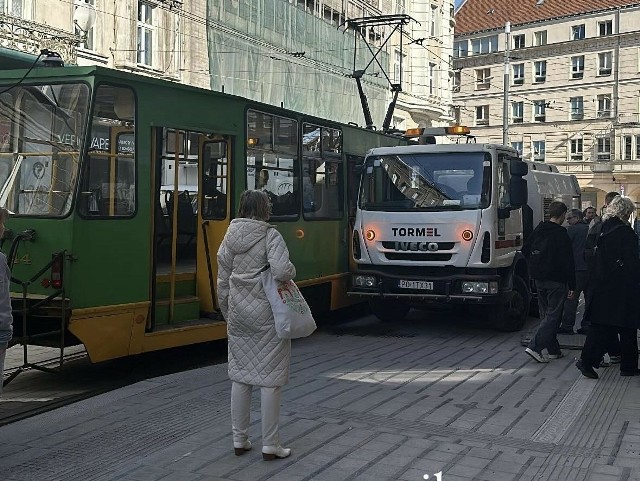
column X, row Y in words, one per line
column 415, row 231
column 416, row 246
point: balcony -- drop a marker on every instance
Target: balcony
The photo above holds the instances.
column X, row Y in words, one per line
column 30, row 37
column 628, row 119
column 575, row 166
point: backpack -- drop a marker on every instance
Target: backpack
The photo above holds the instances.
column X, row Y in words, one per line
column 539, row 257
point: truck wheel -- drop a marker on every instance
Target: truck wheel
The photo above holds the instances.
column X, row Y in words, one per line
column 388, row 310
column 511, row 315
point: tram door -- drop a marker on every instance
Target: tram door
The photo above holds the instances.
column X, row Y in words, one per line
column 175, row 201
column 189, row 204
column 214, row 216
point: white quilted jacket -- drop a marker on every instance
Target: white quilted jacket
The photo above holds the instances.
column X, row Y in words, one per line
column 256, row 355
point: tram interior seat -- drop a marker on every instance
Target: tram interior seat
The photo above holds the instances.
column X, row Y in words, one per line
column 163, row 231
column 187, row 219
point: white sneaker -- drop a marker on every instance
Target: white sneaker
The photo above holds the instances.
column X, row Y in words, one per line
column 538, row 357
column 241, row 448
column 269, row 453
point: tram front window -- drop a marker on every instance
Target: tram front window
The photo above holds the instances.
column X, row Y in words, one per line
column 42, row 129
column 448, row 181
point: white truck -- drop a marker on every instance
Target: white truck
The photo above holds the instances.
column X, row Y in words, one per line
column 446, row 223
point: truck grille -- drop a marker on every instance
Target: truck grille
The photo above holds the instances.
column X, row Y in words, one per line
column 417, row 256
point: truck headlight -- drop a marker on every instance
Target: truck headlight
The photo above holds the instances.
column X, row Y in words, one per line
column 364, row 281
column 475, row 287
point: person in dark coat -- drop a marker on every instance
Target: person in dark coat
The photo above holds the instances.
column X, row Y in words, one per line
column 548, row 251
column 614, row 308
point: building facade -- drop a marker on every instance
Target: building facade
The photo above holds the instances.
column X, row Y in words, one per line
column 293, row 53
column 573, row 85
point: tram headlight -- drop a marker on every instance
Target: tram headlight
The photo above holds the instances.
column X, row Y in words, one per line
column 364, row 281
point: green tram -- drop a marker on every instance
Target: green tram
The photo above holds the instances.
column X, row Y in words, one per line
column 121, row 188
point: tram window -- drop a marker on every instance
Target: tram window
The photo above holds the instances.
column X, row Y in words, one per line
column 322, row 173
column 108, row 185
column 214, row 181
column 41, row 134
column 272, row 161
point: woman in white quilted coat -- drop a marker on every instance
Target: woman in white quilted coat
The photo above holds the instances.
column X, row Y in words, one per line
column 257, row 357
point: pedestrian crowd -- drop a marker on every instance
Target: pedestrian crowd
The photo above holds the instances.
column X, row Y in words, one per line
column 599, row 258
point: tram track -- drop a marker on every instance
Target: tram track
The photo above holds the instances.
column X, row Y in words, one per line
column 34, row 392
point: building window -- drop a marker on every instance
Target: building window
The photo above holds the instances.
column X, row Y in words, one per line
column 577, row 66
column 539, row 110
column 457, row 80
column 461, row 48
column 628, row 145
column 145, row 33
column 518, row 74
column 604, row 63
column 398, row 58
column 434, row 21
column 538, row 150
column 637, row 147
column 604, row 148
column 540, row 38
column 540, row 71
column 517, row 146
column 576, row 149
column 484, row 45
column 577, row 108
column 483, row 78
column 518, row 41
column 605, row 28
column 432, row 78
column 400, row 6
column 604, row 106
column 577, row 32
column 482, row 115
column 517, row 111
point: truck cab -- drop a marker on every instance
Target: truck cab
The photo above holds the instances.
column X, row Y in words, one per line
column 444, row 223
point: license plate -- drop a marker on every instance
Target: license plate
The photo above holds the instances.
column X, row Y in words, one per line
column 420, row 285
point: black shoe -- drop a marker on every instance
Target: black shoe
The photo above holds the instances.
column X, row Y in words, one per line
column 565, row 330
column 630, row 373
column 583, row 330
column 586, row 371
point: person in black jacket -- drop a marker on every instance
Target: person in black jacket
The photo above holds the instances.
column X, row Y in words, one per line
column 551, row 265
column 614, row 308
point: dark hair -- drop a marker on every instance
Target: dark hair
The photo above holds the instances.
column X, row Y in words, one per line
column 556, row 209
column 610, row 196
column 577, row 213
column 254, row 204
column 590, row 207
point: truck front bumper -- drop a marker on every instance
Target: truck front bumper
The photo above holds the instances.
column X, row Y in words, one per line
column 457, row 287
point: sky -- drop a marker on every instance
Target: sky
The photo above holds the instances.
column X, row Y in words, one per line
column 458, row 2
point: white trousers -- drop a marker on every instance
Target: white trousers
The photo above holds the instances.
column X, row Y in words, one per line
column 240, row 412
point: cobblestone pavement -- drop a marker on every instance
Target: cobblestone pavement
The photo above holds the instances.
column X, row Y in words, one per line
column 369, row 402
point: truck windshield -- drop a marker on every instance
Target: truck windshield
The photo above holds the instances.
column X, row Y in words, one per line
column 41, row 132
column 426, row 181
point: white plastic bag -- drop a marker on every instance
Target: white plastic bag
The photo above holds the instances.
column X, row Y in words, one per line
column 290, row 311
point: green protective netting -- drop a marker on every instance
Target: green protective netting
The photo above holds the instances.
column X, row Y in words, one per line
column 253, row 47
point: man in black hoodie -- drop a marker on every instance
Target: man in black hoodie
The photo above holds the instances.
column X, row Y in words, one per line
column 551, row 265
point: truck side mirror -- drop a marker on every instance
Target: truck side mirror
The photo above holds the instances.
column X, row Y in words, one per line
column 518, row 168
column 518, row 192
